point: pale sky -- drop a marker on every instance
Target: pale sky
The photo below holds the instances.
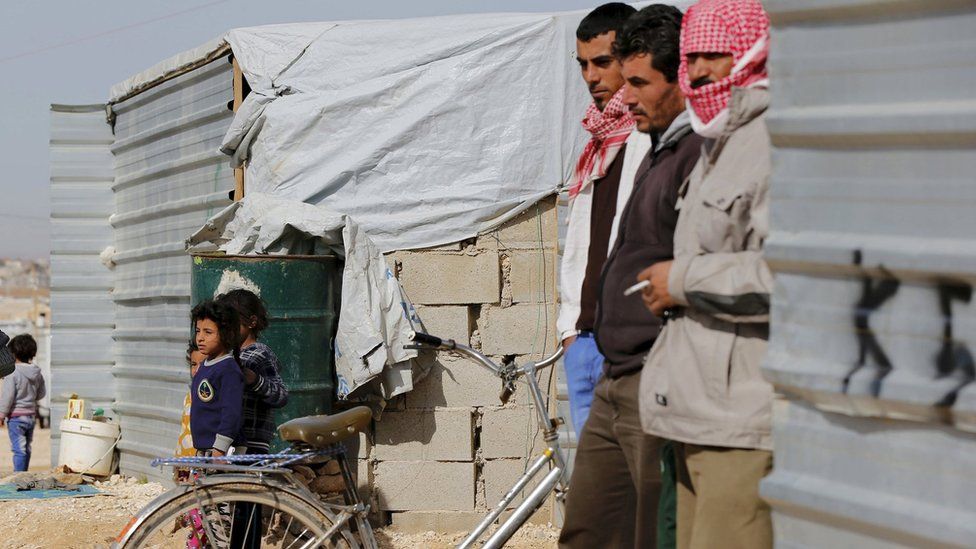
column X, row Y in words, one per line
column 73, row 51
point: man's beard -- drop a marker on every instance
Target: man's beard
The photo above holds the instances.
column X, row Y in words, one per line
column 703, row 81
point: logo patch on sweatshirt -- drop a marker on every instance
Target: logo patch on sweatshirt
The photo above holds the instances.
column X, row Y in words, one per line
column 205, row 391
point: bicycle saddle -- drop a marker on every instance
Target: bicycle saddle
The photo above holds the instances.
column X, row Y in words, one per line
column 320, row 431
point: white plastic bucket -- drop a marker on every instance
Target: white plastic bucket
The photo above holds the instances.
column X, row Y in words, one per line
column 88, row 446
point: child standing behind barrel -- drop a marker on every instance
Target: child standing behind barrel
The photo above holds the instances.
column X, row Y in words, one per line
column 264, row 388
column 218, row 385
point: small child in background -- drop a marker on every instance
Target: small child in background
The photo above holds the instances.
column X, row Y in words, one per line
column 193, row 519
column 264, row 388
column 18, row 399
column 184, row 444
column 217, row 388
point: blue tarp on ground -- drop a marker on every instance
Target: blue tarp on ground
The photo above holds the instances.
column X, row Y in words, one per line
column 8, row 492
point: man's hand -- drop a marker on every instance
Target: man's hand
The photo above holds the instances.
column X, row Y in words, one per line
column 250, row 378
column 656, row 297
column 568, row 341
column 216, row 453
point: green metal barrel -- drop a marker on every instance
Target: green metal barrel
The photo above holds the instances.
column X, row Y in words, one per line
column 302, row 297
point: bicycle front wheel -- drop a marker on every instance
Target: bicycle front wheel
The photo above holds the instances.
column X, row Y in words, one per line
column 241, row 514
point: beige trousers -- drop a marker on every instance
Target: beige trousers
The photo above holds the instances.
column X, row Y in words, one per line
column 718, row 498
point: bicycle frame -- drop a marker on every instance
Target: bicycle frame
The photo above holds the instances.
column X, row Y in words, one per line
column 552, row 456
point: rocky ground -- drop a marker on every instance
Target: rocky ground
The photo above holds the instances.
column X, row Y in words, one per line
column 74, row 522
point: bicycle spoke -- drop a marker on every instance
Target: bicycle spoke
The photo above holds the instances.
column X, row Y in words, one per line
column 284, row 536
column 298, row 538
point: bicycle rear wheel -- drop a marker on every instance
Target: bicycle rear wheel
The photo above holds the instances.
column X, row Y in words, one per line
column 226, row 517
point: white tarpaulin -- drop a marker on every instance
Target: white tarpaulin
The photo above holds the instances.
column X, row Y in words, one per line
column 375, row 316
column 426, row 131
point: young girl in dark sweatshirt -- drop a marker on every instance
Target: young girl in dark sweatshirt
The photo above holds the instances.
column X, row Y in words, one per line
column 217, row 388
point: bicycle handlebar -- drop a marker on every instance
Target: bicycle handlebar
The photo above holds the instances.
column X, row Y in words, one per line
column 551, row 359
column 422, row 340
column 430, row 340
column 508, row 373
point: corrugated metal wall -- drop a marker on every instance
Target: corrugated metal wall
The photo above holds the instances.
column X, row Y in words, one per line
column 169, row 178
column 874, row 189
column 81, row 287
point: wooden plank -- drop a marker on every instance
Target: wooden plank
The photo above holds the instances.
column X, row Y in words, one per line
column 238, row 99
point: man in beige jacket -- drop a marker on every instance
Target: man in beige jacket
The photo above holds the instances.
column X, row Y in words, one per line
column 701, row 385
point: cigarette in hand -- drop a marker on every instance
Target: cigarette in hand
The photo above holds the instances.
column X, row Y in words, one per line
column 637, row 287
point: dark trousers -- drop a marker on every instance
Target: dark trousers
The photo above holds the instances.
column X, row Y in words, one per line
column 616, row 484
column 247, row 527
column 667, row 511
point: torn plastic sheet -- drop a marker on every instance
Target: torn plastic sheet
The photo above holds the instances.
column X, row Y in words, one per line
column 375, row 317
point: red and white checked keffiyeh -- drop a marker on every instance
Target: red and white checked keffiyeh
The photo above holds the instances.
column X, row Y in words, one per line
column 738, row 27
column 609, row 129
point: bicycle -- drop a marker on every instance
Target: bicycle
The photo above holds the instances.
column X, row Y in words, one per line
column 223, row 487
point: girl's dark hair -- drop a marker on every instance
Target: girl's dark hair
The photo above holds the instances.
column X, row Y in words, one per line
column 228, row 324
column 23, row 347
column 247, row 304
column 191, row 348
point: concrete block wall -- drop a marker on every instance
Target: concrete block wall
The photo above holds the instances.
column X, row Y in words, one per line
column 446, row 452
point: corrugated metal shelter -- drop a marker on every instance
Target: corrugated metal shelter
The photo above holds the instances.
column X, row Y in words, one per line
column 169, row 178
column 136, row 178
column 873, row 122
column 83, row 315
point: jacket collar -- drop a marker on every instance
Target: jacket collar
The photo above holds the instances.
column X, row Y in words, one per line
column 679, row 127
column 745, row 105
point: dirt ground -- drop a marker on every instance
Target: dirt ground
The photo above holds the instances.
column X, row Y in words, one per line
column 87, row 522
column 531, row 536
column 93, row 522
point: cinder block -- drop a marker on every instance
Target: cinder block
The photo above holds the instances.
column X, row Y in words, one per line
column 446, row 522
column 424, row 485
column 510, row 432
column 535, row 227
column 454, row 381
column 501, row 474
column 362, row 452
column 444, row 434
column 363, row 476
column 533, row 276
column 452, row 247
column 359, row 447
column 451, row 522
column 450, row 321
column 517, row 330
column 431, row 278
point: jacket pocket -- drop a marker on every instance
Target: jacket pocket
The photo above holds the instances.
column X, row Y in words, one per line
column 723, row 217
column 715, row 360
column 655, row 378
